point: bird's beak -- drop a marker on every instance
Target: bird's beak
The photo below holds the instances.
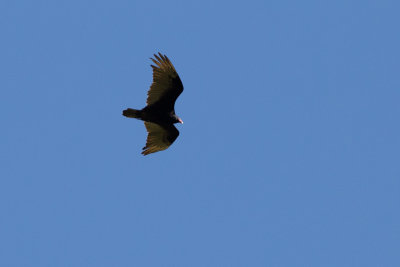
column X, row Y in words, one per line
column 181, row 121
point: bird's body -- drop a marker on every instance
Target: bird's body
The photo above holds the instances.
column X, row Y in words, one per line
column 159, row 114
column 151, row 114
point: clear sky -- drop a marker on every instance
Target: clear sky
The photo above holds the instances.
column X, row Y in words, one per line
column 289, row 155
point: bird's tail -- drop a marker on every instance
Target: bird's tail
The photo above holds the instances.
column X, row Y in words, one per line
column 132, row 113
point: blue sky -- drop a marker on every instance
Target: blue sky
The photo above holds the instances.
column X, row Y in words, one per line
column 289, row 155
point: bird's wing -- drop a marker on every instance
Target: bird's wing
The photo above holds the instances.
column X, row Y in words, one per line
column 159, row 137
column 166, row 86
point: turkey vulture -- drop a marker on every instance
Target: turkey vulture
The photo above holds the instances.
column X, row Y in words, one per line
column 159, row 114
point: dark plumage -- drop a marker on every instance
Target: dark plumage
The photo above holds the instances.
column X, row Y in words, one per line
column 159, row 114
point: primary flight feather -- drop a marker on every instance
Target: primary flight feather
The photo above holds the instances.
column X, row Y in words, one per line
column 159, row 114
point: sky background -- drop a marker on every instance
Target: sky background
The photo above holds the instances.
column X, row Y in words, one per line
column 289, row 155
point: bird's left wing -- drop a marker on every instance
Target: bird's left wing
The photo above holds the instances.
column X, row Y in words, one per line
column 166, row 86
column 159, row 137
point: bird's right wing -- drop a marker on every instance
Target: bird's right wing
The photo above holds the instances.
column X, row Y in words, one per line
column 159, row 137
column 166, row 86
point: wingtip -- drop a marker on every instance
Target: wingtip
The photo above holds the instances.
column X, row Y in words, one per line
column 146, row 152
column 157, row 57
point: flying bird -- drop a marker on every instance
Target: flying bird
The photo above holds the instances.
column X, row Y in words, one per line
column 159, row 113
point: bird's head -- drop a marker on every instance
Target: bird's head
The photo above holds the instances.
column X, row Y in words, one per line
column 177, row 119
